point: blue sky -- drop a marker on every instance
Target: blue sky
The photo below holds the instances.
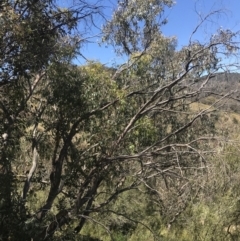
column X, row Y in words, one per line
column 183, row 17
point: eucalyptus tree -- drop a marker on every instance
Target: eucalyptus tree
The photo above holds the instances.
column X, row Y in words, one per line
column 135, row 131
column 34, row 34
column 97, row 133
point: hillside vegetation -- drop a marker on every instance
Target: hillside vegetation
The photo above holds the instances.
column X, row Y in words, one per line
column 145, row 150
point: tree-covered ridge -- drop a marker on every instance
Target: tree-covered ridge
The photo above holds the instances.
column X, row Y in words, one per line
column 221, row 84
column 112, row 153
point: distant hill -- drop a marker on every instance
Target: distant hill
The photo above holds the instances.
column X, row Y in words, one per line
column 223, row 83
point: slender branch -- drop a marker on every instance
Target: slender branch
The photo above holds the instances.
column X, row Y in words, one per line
column 31, row 172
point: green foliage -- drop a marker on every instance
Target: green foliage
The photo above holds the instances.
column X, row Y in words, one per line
column 95, row 153
column 135, row 24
